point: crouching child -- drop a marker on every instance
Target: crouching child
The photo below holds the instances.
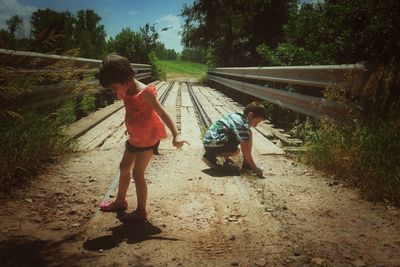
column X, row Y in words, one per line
column 224, row 137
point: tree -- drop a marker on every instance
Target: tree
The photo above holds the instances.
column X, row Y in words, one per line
column 163, row 53
column 149, row 36
column 232, row 29
column 340, row 31
column 195, row 54
column 6, row 39
column 52, row 31
column 129, row 44
column 14, row 23
column 89, row 36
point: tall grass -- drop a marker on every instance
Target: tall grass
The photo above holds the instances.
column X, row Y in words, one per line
column 366, row 155
column 31, row 136
column 363, row 150
column 27, row 145
column 32, row 140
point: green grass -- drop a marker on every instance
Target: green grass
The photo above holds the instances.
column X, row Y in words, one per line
column 177, row 68
column 365, row 154
column 28, row 145
column 34, row 138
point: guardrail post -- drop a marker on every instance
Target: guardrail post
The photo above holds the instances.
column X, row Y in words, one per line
column 78, row 107
column 98, row 100
column 109, row 97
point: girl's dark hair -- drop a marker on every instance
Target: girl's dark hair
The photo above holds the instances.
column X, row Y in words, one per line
column 257, row 108
column 115, row 69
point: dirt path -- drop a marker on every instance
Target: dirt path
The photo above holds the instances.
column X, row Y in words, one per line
column 296, row 216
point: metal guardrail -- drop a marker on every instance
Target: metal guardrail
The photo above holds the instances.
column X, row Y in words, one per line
column 248, row 79
column 25, row 63
column 92, row 62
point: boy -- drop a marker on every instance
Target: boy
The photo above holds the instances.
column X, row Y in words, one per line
column 224, row 136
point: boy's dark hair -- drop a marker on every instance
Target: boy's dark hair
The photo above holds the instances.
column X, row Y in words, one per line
column 115, row 69
column 257, row 108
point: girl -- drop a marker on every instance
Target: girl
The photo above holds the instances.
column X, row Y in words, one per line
column 144, row 119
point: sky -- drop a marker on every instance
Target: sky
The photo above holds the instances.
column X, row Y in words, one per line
column 115, row 14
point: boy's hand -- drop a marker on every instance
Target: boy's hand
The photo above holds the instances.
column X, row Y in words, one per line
column 178, row 141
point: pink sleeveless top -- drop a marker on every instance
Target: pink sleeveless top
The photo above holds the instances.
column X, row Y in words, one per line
column 144, row 126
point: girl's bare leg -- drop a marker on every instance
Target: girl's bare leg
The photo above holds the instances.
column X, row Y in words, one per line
column 142, row 160
column 125, row 174
column 124, row 178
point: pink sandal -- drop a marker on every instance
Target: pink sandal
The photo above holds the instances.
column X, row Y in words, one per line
column 111, row 206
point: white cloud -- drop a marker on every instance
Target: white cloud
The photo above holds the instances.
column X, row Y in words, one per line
column 171, row 37
column 9, row 8
column 133, row 12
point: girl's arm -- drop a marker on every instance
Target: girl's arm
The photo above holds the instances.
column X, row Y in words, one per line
column 156, row 105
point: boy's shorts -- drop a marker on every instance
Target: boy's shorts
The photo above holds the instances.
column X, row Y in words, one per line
column 230, row 146
column 134, row 149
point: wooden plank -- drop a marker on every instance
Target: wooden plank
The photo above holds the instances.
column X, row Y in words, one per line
column 171, row 99
column 190, row 128
column 186, row 100
column 166, row 144
column 170, row 107
column 161, row 89
column 82, row 126
column 265, row 146
column 208, row 107
column 102, row 131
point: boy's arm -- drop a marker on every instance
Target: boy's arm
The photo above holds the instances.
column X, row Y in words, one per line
column 156, row 105
column 246, row 147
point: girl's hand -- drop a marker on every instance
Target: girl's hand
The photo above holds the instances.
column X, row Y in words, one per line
column 178, row 141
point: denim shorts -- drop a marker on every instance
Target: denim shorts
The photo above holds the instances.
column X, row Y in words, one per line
column 134, row 149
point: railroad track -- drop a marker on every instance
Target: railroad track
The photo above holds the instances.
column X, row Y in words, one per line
column 205, row 119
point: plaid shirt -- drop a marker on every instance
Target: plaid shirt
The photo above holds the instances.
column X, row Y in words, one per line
column 232, row 124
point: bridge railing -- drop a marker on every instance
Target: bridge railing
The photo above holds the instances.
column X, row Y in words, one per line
column 44, row 79
column 298, row 88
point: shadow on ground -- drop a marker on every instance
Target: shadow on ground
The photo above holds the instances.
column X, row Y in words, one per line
column 30, row 251
column 129, row 232
column 225, row 170
column 30, row 247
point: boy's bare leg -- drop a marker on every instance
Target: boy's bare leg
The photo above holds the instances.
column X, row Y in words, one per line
column 142, row 160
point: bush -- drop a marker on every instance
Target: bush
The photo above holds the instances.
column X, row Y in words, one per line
column 379, row 157
column 285, row 54
column 158, row 73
